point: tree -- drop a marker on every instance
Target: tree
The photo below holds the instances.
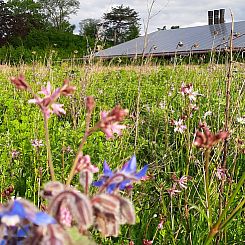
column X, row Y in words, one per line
column 121, row 24
column 89, row 28
column 6, row 23
column 58, row 12
column 26, row 14
column 17, row 18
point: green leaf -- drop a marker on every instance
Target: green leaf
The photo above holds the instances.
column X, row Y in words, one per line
column 79, row 239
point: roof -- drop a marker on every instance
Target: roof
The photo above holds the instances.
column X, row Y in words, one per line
column 200, row 39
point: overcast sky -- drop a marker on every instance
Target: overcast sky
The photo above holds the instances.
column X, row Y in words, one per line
column 184, row 13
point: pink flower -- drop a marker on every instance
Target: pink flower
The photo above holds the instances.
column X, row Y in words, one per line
column 207, row 139
column 84, row 163
column 109, row 122
column 65, row 217
column 221, row 173
column 173, row 191
column 47, row 104
column 37, row 143
column 15, row 154
column 179, row 126
column 147, row 242
column 187, row 89
column 183, row 182
column 19, row 82
column 57, row 109
column 192, row 95
column 160, row 225
column 46, row 91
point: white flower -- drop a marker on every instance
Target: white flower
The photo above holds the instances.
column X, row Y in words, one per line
column 179, row 127
column 241, row 120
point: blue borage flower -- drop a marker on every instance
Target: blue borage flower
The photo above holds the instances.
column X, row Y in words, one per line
column 120, row 179
column 17, row 212
column 11, row 216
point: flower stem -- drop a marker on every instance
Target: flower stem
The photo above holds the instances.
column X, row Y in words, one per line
column 49, row 155
column 79, row 152
column 206, row 176
column 72, row 172
column 86, row 184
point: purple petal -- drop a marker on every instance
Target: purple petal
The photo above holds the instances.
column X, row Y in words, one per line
column 42, row 218
column 107, row 171
column 111, row 187
column 131, row 166
column 124, row 184
column 98, row 183
column 142, row 172
column 22, row 232
column 17, row 209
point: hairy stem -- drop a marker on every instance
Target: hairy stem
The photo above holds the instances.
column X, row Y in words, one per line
column 49, row 154
column 79, row 152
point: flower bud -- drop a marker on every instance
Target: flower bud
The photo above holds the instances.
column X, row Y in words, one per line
column 90, row 103
column 19, row 82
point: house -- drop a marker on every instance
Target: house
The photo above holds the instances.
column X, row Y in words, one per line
column 195, row 40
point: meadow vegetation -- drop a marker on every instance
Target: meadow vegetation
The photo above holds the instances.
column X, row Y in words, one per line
column 171, row 110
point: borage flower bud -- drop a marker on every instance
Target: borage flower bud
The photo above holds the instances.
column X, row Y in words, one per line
column 19, row 82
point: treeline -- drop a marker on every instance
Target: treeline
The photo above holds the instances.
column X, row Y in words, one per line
column 37, row 29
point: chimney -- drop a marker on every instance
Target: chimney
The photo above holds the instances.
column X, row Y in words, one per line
column 222, row 16
column 216, row 16
column 210, row 17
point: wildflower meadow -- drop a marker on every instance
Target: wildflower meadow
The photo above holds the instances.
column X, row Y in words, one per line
column 122, row 154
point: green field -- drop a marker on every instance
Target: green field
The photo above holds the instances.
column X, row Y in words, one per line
column 152, row 94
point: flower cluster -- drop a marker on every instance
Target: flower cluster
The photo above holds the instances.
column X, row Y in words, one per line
column 112, row 181
column 206, row 139
column 36, row 143
column 187, row 90
column 109, row 122
column 7, row 192
column 179, row 126
column 106, row 210
column 47, row 104
column 20, row 216
column 182, row 183
column 15, row 154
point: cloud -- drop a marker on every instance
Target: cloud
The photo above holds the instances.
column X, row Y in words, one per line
column 164, row 13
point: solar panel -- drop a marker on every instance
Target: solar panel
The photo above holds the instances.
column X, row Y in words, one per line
column 198, row 39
